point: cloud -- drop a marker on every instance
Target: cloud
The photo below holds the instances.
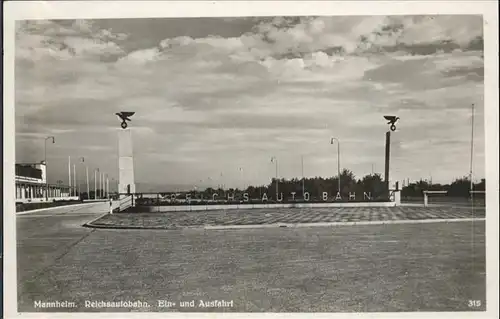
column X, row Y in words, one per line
column 40, row 40
column 283, row 86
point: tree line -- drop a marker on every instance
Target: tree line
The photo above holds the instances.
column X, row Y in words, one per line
column 371, row 184
column 460, row 187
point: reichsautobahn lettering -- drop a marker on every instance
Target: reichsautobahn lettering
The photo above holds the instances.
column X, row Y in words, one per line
column 280, row 197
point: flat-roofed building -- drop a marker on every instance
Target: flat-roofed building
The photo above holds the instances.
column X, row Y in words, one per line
column 31, row 184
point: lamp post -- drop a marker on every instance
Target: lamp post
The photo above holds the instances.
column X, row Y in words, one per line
column 69, row 175
column 100, row 185
column 107, row 186
column 242, row 179
column 112, row 183
column 45, row 162
column 95, row 182
column 74, row 180
column 338, row 159
column 275, row 160
column 87, row 176
column 471, row 154
column 303, row 177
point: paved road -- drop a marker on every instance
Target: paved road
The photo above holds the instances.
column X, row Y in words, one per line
column 414, row 267
column 44, row 236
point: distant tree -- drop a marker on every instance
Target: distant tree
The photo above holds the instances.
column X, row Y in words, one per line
column 373, row 183
column 347, row 181
column 460, row 187
column 481, row 186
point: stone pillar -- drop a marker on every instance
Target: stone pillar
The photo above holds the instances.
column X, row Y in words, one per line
column 387, row 160
column 397, row 197
column 125, row 162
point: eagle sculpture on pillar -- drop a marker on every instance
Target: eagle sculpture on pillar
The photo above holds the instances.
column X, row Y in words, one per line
column 125, row 116
column 392, row 120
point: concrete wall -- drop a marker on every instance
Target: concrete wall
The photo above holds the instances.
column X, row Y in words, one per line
column 183, row 208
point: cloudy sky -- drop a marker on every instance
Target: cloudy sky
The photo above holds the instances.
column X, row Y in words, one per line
column 213, row 95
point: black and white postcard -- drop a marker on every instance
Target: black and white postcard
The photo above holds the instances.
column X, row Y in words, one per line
column 292, row 158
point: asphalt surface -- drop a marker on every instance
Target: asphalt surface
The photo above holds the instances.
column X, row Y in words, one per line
column 44, row 236
column 409, row 267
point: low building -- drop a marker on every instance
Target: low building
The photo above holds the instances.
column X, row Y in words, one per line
column 31, row 185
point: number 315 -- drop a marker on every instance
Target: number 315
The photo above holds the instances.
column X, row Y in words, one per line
column 474, row 303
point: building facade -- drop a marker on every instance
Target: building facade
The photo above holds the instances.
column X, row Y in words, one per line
column 31, row 185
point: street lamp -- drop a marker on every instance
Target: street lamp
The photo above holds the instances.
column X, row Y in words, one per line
column 107, row 186
column 45, row 162
column 100, row 185
column 87, row 176
column 303, row 177
column 69, row 175
column 275, row 160
column 113, row 184
column 95, row 182
column 242, row 179
column 338, row 159
column 74, row 181
column 471, row 155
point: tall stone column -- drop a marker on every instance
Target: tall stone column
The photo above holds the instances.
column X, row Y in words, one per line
column 126, row 182
column 387, row 161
